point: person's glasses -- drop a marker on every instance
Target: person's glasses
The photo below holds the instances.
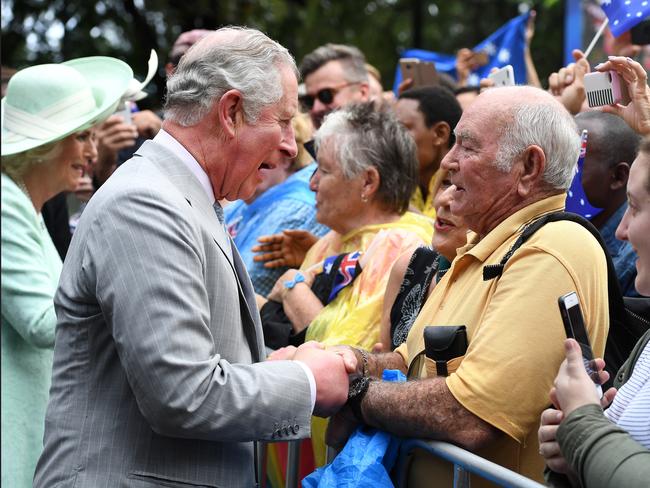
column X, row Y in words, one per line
column 324, row 95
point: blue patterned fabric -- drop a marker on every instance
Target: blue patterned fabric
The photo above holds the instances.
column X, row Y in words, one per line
column 622, row 253
column 624, row 14
column 289, row 205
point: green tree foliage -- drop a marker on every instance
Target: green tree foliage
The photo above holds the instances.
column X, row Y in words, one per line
column 39, row 31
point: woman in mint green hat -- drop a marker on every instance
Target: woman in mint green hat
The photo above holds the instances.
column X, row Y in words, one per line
column 47, row 119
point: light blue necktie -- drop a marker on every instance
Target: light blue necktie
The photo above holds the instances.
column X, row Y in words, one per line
column 219, row 211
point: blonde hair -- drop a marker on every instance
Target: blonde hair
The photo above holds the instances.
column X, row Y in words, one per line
column 303, row 129
column 16, row 165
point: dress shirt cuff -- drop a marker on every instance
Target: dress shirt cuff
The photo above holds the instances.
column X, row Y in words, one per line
column 312, row 383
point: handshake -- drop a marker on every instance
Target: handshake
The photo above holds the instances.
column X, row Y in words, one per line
column 333, row 368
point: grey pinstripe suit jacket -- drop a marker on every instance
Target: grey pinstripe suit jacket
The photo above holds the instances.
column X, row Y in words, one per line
column 155, row 380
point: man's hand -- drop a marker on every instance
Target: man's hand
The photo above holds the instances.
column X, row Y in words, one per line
column 568, row 85
column 464, row 65
column 286, row 249
column 147, row 123
column 636, row 113
column 331, row 377
column 112, row 136
column 85, row 188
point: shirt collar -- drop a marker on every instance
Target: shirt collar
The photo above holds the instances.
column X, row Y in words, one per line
column 482, row 249
column 166, row 140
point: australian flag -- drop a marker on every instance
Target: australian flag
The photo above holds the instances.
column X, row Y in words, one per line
column 576, row 200
column 345, row 273
column 505, row 46
column 624, row 14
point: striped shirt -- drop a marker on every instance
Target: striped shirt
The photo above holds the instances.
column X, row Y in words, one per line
column 630, row 409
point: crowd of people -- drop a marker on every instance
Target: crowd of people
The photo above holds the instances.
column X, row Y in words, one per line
column 246, row 265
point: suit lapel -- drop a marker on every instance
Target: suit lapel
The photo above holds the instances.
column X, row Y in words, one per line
column 180, row 175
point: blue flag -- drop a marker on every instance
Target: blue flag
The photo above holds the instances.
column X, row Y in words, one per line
column 576, row 199
column 624, row 14
column 505, row 46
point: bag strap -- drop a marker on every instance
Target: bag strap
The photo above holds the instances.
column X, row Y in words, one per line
column 616, row 304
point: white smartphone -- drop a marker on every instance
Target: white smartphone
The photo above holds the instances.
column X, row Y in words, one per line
column 503, row 77
column 574, row 326
column 124, row 111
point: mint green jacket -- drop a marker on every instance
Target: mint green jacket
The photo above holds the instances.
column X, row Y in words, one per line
column 30, row 273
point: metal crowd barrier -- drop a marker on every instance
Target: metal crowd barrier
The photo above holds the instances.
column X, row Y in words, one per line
column 464, row 462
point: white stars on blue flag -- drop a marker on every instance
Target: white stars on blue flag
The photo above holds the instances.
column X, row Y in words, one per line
column 623, row 15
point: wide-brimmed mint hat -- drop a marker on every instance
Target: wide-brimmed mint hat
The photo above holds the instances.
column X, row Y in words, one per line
column 48, row 102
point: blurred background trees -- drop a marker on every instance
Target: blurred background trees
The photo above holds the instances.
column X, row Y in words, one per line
column 39, row 31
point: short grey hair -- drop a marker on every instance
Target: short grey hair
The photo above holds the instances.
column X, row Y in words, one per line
column 16, row 165
column 548, row 125
column 350, row 57
column 247, row 61
column 362, row 138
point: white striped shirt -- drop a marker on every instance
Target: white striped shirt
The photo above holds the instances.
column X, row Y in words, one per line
column 630, row 409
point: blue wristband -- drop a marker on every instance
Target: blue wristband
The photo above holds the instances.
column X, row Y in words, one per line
column 299, row 278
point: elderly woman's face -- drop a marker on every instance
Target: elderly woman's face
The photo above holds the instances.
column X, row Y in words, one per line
column 77, row 151
column 338, row 200
column 635, row 226
column 450, row 231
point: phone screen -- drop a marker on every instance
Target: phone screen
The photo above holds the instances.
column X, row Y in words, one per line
column 574, row 327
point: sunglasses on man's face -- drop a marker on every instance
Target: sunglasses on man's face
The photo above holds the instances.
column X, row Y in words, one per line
column 324, row 95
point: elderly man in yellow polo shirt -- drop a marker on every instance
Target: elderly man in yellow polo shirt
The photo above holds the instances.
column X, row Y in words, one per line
column 512, row 162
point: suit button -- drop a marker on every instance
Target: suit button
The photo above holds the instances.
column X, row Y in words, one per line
column 286, row 431
column 295, row 429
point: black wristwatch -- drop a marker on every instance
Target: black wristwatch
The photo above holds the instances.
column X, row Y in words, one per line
column 358, row 389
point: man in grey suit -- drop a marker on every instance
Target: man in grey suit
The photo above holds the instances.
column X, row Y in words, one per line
column 157, row 379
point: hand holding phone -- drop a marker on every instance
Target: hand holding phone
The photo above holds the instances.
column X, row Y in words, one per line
column 423, row 73
column 574, row 326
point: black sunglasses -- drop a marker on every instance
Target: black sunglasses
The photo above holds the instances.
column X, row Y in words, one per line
column 324, row 95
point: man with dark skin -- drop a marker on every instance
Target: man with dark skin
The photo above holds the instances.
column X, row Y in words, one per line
column 611, row 147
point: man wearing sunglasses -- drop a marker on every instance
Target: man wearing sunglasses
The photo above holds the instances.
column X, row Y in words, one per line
column 335, row 75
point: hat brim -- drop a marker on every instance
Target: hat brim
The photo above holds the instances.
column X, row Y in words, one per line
column 108, row 79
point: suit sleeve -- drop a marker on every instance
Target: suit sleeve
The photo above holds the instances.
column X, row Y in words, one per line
column 145, row 262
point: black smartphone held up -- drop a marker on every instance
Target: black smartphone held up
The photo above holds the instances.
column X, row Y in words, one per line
column 574, row 326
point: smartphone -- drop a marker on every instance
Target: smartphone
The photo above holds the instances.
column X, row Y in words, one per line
column 423, row 73
column 124, row 111
column 574, row 326
column 605, row 89
column 503, row 77
column 479, row 58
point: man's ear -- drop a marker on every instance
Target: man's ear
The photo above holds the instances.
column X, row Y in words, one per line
column 230, row 112
column 364, row 89
column 533, row 161
column 619, row 175
column 441, row 132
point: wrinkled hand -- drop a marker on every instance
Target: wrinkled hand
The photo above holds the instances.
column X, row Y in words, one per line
column 572, row 387
column 352, row 359
column 636, row 113
column 340, row 428
column 567, row 84
column 286, row 249
column 147, row 123
column 287, row 353
column 331, row 377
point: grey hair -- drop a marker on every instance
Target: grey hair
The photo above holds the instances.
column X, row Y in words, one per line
column 548, row 125
column 362, row 138
column 351, row 58
column 16, row 165
column 247, row 61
